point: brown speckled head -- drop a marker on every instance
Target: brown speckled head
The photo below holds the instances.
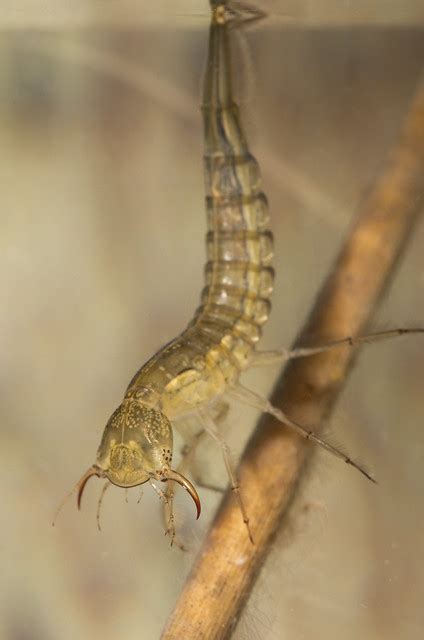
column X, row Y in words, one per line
column 136, row 444
column 136, row 447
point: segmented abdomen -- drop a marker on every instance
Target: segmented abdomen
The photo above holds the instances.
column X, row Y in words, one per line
column 239, row 279
column 195, row 367
column 239, row 242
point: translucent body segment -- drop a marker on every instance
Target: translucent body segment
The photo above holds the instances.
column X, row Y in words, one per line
column 230, row 353
column 249, row 212
column 250, row 307
column 239, row 348
column 246, row 276
column 214, row 325
column 183, row 353
column 215, row 312
column 255, row 247
column 230, row 176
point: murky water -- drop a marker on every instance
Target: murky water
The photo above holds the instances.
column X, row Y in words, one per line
column 102, row 251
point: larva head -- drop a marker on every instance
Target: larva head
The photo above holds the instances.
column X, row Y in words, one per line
column 136, row 447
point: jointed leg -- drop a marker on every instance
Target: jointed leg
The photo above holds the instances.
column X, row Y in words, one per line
column 168, row 495
column 260, row 358
column 211, row 429
column 262, row 404
column 168, row 500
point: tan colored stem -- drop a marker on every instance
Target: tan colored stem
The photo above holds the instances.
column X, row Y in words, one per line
column 227, row 566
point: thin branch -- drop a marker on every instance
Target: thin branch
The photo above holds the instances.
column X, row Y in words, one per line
column 228, row 564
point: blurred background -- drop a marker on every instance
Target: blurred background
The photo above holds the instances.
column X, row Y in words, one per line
column 101, row 255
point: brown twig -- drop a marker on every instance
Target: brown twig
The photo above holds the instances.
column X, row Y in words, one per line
column 227, row 566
